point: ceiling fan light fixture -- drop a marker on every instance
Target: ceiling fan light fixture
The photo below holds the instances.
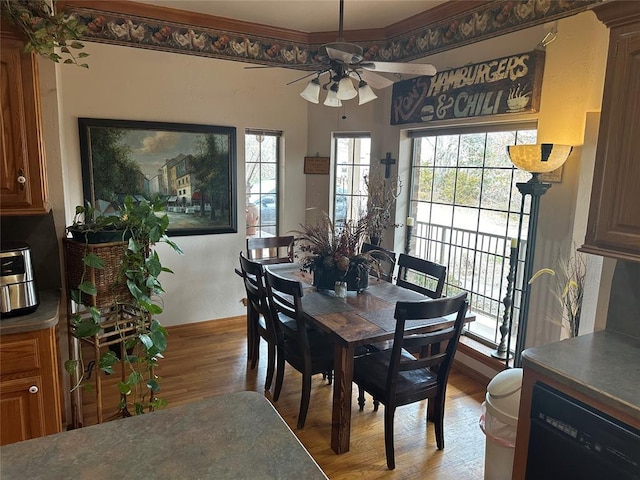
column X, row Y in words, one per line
column 365, row 93
column 311, row 93
column 332, row 99
column 346, row 90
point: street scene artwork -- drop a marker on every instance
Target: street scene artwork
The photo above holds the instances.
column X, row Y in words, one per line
column 190, row 168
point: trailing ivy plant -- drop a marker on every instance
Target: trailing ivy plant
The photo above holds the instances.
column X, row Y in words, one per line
column 142, row 225
column 50, row 34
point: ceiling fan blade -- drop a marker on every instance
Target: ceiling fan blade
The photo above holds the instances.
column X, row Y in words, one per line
column 296, row 66
column 346, row 57
column 398, row 67
column 307, row 76
column 373, row 79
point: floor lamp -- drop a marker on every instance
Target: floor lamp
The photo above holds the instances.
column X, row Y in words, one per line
column 535, row 159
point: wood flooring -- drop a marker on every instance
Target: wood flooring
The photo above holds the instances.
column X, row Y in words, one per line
column 209, row 358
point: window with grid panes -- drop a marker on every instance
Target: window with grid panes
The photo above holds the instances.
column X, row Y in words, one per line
column 262, row 159
column 467, row 209
column 352, row 157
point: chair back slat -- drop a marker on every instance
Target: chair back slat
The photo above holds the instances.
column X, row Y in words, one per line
column 271, row 250
column 421, row 275
column 413, row 341
column 431, row 361
column 386, row 260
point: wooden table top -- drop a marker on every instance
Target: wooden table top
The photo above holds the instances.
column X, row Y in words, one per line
column 360, row 318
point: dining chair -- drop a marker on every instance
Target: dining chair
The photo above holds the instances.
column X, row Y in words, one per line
column 305, row 349
column 270, row 250
column 395, row 377
column 421, row 275
column 259, row 321
column 386, row 260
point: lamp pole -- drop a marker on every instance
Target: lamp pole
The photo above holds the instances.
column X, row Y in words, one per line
column 535, row 188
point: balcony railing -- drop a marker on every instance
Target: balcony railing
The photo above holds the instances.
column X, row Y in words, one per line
column 477, row 263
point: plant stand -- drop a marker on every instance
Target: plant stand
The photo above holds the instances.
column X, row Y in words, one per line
column 119, row 323
column 119, row 319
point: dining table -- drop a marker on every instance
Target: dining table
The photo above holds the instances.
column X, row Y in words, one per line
column 362, row 318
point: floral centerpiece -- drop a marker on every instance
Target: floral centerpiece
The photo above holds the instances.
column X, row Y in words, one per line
column 332, row 253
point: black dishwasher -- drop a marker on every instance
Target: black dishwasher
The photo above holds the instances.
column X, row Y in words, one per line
column 571, row 440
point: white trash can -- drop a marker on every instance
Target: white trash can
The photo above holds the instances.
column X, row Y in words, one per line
column 499, row 421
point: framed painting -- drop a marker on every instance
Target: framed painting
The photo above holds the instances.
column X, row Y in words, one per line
column 191, row 168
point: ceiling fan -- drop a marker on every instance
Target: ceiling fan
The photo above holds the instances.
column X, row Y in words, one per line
column 344, row 61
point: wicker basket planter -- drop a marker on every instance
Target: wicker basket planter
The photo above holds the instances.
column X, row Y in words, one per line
column 111, row 288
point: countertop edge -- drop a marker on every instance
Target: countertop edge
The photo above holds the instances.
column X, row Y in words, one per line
column 46, row 316
column 600, row 396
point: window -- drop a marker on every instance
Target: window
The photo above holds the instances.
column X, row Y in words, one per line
column 262, row 160
column 467, row 208
column 352, row 152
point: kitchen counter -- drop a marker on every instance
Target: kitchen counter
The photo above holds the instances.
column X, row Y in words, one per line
column 46, row 316
column 236, row 436
column 604, row 366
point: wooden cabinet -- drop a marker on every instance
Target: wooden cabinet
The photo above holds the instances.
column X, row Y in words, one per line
column 23, row 183
column 614, row 222
column 29, row 386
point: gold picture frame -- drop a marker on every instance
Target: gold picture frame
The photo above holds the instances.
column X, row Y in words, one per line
column 553, row 177
column 317, row 165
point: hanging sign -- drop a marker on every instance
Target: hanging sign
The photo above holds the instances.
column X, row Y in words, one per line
column 501, row 86
column 317, row 165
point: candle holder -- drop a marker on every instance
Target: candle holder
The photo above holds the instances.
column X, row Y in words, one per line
column 408, row 233
column 502, row 352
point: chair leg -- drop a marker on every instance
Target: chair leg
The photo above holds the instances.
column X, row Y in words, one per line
column 304, row 401
column 255, row 356
column 330, row 377
column 249, row 334
column 376, row 404
column 271, row 360
column 388, row 436
column 361, row 399
column 254, row 341
column 438, row 420
column 279, row 375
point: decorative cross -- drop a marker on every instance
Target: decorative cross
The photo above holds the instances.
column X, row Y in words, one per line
column 387, row 162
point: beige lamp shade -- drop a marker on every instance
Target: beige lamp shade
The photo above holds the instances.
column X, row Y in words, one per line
column 539, row 158
column 332, row 99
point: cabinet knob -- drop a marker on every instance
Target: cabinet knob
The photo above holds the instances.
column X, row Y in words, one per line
column 21, row 178
column 33, row 389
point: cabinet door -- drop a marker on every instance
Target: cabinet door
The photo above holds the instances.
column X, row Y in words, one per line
column 21, row 410
column 23, row 188
column 614, row 221
column 30, row 402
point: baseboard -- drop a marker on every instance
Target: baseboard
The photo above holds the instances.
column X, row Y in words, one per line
column 194, row 327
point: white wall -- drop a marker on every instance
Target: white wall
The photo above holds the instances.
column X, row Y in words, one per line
column 136, row 84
